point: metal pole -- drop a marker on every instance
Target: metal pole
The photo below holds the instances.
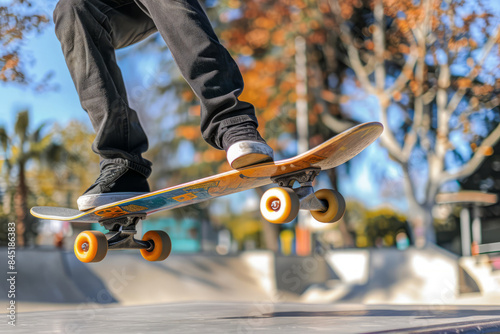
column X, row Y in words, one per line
column 476, row 226
column 304, row 242
column 465, row 231
column 301, row 90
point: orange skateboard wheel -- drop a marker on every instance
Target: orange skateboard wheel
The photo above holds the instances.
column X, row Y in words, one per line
column 91, row 246
column 335, row 206
column 279, row 205
column 162, row 246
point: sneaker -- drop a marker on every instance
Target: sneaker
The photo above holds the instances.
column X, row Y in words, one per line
column 116, row 182
column 245, row 147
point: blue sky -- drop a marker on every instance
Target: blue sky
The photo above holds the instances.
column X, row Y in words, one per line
column 61, row 105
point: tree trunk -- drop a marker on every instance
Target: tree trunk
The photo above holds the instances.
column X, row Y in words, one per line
column 21, row 207
column 430, row 231
column 419, row 215
column 422, row 225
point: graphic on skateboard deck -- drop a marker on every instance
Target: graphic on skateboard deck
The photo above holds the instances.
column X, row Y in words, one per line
column 278, row 205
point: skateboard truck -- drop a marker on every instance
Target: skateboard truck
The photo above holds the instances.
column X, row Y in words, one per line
column 121, row 233
column 281, row 204
column 308, row 200
column 305, row 177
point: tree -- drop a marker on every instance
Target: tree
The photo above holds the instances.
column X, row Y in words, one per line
column 381, row 227
column 20, row 148
column 263, row 37
column 430, row 62
column 18, row 18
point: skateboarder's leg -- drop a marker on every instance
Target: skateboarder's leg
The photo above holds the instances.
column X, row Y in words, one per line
column 89, row 32
column 226, row 122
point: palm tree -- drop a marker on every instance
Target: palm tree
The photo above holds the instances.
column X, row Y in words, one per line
column 19, row 149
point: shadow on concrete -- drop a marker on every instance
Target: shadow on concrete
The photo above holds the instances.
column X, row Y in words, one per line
column 425, row 314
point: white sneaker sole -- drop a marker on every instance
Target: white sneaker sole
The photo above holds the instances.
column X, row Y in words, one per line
column 247, row 153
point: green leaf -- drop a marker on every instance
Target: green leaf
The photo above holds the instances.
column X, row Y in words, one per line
column 21, row 126
column 4, row 139
column 35, row 136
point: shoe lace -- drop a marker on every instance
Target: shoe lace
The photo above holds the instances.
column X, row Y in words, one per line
column 243, row 131
column 108, row 171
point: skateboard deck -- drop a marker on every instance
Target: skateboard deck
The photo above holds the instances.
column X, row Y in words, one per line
column 327, row 155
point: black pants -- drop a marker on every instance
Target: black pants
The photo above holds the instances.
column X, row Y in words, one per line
column 91, row 30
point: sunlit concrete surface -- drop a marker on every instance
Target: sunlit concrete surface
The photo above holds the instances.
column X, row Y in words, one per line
column 262, row 317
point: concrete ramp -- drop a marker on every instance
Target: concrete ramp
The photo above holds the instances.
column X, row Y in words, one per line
column 51, row 279
column 386, row 276
column 133, row 281
column 389, row 276
column 48, row 276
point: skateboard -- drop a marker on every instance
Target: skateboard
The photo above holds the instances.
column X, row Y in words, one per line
column 278, row 205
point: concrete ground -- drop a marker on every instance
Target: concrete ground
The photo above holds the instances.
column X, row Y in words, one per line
column 250, row 318
column 255, row 292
